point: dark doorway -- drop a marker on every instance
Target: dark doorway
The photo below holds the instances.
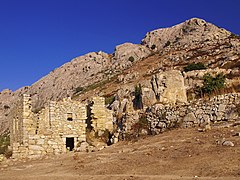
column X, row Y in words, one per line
column 70, row 143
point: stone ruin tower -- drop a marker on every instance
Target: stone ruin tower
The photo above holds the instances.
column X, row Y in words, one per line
column 58, row 127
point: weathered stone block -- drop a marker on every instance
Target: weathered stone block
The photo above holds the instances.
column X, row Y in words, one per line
column 36, row 148
column 221, row 107
column 50, row 142
column 40, row 141
column 190, row 117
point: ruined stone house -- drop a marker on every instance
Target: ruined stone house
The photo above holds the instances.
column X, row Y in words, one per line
column 55, row 129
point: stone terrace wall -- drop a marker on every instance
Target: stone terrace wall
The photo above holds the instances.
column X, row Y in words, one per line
column 201, row 113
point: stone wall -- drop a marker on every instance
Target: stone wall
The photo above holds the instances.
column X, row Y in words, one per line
column 60, row 126
column 200, row 113
column 55, row 129
column 101, row 116
column 46, row 132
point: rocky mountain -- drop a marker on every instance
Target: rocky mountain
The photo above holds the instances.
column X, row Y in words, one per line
column 189, row 33
column 155, row 64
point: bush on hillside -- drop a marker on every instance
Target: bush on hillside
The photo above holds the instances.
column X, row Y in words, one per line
column 109, row 100
column 194, row 66
column 153, row 46
column 4, row 143
column 167, row 44
column 131, row 59
column 137, row 101
column 212, row 84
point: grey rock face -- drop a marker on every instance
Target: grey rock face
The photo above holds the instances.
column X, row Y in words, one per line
column 187, row 33
column 169, row 87
column 127, row 53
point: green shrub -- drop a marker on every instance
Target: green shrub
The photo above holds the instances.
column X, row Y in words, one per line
column 211, row 84
column 153, row 46
column 194, row 66
column 4, row 143
column 131, row 59
column 79, row 89
column 137, row 102
column 167, row 44
column 109, row 100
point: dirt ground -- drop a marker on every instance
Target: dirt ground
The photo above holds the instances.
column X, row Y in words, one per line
column 176, row 154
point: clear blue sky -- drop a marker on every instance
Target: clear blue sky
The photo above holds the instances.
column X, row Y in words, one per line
column 37, row 36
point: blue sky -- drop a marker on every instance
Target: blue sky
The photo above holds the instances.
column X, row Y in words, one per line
column 37, row 36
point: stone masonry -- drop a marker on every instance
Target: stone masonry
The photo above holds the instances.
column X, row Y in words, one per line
column 219, row 110
column 101, row 116
column 55, row 129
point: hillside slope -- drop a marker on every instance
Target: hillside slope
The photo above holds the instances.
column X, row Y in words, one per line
column 99, row 73
column 177, row 154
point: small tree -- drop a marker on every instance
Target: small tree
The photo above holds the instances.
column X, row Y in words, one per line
column 211, row 84
column 137, row 102
column 131, row 59
column 153, row 46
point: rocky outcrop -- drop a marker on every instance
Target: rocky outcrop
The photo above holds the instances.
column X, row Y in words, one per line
column 127, row 53
column 193, row 31
column 168, row 87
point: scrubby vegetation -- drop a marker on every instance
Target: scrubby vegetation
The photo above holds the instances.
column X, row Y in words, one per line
column 137, row 102
column 79, row 89
column 131, row 59
column 194, row 66
column 93, row 86
column 104, row 137
column 109, row 99
column 4, row 143
column 141, row 125
column 234, row 35
column 153, row 46
column 167, row 44
column 212, row 84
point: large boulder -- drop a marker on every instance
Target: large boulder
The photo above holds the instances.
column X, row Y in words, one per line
column 169, row 87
